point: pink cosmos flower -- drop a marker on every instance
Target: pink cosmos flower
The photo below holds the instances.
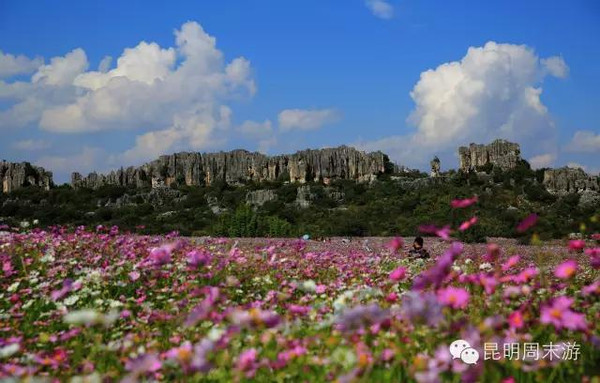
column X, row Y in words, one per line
column 576, row 244
column 395, row 244
column 594, row 288
column 299, row 310
column 593, row 252
column 398, row 274
column 161, row 255
column 462, row 203
column 515, row 319
column 455, row 297
column 134, row 276
column 443, row 232
column 526, row 275
column 391, row 297
column 320, row 289
column 246, row 359
column 528, row 222
column 512, row 261
column 467, row 224
column 197, row 258
column 488, row 282
column 566, row 269
column 559, row 314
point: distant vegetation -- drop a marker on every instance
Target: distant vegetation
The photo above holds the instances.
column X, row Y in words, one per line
column 396, row 204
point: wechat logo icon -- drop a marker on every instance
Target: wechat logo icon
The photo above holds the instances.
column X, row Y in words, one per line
column 461, row 349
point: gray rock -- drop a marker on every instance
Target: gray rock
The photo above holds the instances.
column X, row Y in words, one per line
column 589, row 198
column 238, row 166
column 17, row 175
column 260, row 197
column 501, row 153
column 570, row 180
column 435, row 167
column 304, row 197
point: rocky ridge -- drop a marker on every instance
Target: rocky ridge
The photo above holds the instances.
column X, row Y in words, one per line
column 239, row 166
column 501, row 153
column 17, row 175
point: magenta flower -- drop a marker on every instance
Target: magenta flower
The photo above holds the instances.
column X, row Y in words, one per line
column 246, row 359
column 527, row 223
column 160, row 256
column 512, row 261
column 576, row 244
column 566, row 269
column 299, row 310
column 462, row 203
column 455, row 297
column 467, row 224
column 515, row 319
column 442, row 232
column 197, row 258
column 593, row 288
column 395, row 244
column 559, row 314
column 398, row 274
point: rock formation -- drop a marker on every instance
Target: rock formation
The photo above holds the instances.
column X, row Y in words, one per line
column 503, row 154
column 260, row 197
column 17, row 175
column 240, row 166
column 435, row 167
column 570, row 180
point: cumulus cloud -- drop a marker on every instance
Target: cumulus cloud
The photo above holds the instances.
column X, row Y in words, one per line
column 542, row 161
column 175, row 97
column 584, row 141
column 380, row 8
column 31, row 145
column 306, row 119
column 494, row 91
column 11, row 65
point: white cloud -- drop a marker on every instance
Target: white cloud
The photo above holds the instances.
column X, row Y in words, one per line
column 380, row 8
column 87, row 159
column 556, row 66
column 11, row 65
column 62, row 70
column 31, row 145
column 175, row 97
column 584, row 141
column 494, row 91
column 303, row 119
column 255, row 129
column 542, row 161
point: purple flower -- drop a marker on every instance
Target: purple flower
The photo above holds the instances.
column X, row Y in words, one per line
column 422, row 307
column 360, row 317
column 197, row 258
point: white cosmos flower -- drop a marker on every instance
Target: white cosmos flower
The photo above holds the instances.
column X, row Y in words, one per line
column 82, row 317
column 485, row 266
column 12, row 288
column 71, row 300
column 9, row 350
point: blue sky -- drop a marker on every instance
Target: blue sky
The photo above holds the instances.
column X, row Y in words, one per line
column 286, row 75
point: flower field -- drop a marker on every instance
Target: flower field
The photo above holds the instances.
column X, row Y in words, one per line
column 98, row 305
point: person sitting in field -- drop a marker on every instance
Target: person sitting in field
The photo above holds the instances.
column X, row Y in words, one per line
column 418, row 251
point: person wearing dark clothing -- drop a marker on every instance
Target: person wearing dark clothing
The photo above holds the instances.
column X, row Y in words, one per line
column 418, row 251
